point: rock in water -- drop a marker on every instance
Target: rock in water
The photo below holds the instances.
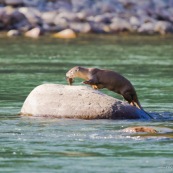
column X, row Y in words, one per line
column 63, row 101
column 137, row 129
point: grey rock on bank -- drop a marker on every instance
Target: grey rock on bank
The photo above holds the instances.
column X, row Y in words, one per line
column 13, row 33
column 62, row 101
column 33, row 33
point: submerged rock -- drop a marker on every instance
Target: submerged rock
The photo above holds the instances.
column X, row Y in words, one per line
column 140, row 129
column 63, row 101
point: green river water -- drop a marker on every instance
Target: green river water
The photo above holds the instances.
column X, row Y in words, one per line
column 29, row 145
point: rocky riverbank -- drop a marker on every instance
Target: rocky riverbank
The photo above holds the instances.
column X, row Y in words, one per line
column 33, row 18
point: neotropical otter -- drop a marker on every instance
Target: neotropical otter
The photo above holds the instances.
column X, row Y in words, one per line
column 99, row 78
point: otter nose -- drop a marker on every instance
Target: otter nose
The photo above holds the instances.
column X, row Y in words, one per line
column 69, row 75
column 66, row 74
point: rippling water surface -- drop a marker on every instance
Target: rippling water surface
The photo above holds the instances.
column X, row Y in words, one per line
column 58, row 145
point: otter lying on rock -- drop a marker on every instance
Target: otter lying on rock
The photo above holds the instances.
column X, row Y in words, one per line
column 111, row 80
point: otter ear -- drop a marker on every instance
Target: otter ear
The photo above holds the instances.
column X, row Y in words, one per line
column 77, row 69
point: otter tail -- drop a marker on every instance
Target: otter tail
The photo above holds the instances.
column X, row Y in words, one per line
column 138, row 105
column 135, row 102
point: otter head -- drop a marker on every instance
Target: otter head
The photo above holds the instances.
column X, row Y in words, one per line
column 72, row 73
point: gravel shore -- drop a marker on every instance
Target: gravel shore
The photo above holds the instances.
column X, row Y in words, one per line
column 33, row 18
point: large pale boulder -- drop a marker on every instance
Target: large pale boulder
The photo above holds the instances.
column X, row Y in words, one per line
column 62, row 101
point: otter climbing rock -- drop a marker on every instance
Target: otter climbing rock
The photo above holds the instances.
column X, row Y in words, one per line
column 100, row 78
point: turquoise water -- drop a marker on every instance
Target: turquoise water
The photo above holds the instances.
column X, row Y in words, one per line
column 58, row 145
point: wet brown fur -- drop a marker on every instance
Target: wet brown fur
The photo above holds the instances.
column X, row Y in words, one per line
column 99, row 78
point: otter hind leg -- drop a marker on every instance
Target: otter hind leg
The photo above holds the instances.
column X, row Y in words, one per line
column 127, row 96
column 95, row 87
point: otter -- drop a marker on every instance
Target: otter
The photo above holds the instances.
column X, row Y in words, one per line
column 100, row 78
